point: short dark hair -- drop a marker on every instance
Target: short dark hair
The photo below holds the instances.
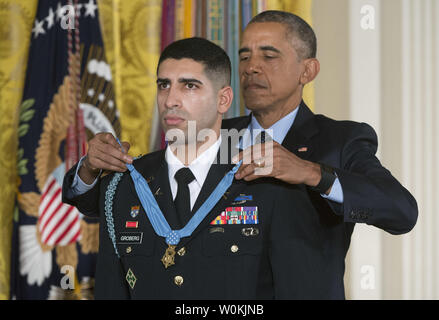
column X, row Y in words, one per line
column 296, row 27
column 216, row 62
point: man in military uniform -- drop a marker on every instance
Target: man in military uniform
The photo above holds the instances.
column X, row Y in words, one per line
column 251, row 244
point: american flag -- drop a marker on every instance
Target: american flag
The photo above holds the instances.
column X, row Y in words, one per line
column 68, row 96
column 58, row 222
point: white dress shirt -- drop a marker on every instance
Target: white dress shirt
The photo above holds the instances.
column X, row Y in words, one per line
column 200, row 168
column 78, row 186
column 278, row 132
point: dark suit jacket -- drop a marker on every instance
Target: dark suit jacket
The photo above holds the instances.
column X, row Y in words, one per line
column 371, row 194
column 283, row 257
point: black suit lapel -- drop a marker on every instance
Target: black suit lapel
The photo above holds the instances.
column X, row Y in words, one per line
column 238, row 123
column 244, row 123
column 298, row 138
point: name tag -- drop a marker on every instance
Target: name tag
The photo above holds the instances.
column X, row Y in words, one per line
column 129, row 237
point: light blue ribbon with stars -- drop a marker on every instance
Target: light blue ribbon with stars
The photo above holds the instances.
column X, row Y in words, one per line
column 155, row 215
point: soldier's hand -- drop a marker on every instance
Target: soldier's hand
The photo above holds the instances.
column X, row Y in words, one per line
column 104, row 153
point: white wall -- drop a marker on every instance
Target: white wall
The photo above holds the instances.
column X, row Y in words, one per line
column 386, row 74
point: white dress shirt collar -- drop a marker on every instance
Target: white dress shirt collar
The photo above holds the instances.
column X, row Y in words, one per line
column 279, row 129
column 200, row 166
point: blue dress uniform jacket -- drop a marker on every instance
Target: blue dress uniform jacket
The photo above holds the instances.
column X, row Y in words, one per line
column 282, row 256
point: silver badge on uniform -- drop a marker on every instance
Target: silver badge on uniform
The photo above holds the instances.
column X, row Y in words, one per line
column 216, row 229
column 250, row 232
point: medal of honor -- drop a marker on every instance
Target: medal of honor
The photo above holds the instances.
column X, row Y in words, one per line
column 157, row 219
column 168, row 257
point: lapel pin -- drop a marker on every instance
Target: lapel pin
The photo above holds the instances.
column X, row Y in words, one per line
column 158, row 193
column 250, row 232
column 303, row 149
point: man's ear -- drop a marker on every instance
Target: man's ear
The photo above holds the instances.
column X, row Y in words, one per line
column 312, row 68
column 225, row 99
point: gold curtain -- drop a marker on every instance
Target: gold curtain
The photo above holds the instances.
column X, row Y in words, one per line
column 303, row 8
column 131, row 32
column 15, row 31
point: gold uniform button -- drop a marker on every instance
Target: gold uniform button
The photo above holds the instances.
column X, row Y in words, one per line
column 128, row 250
column 181, row 252
column 178, row 280
column 234, row 248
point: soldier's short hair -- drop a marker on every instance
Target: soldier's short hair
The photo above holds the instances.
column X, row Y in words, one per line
column 216, row 62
